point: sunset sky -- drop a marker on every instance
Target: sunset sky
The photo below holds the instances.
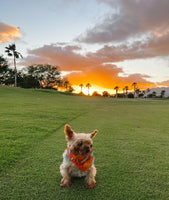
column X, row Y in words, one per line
column 107, row 43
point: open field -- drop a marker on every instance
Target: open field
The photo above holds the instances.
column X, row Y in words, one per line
column 131, row 148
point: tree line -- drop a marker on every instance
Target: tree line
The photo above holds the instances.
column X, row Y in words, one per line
column 49, row 76
column 137, row 93
column 33, row 76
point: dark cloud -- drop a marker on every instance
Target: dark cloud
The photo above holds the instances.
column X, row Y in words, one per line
column 154, row 47
column 129, row 18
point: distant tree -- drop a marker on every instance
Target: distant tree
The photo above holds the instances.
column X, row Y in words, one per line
column 126, row 89
column 96, row 94
column 3, row 69
column 141, row 94
column 116, row 88
column 50, row 75
column 28, row 81
column 130, row 95
column 135, row 86
column 154, row 94
column 47, row 75
column 81, row 86
column 150, row 95
column 82, row 94
column 70, row 88
column 120, row 95
column 3, row 64
column 105, row 94
column 59, row 83
column 66, row 83
column 148, row 90
column 88, row 85
column 11, row 51
column 7, row 75
column 123, row 92
column 137, row 91
column 162, row 93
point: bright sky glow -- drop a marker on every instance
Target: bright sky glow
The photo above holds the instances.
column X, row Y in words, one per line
column 80, row 36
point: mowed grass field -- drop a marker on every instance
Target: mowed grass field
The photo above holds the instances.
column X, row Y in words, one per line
column 131, row 148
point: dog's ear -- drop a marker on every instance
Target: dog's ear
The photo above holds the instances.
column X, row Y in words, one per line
column 92, row 135
column 69, row 132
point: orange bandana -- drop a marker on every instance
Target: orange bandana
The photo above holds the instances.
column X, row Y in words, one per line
column 83, row 162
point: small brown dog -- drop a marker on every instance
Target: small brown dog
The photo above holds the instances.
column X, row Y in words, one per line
column 78, row 160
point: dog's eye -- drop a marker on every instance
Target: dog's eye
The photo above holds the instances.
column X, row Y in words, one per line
column 80, row 144
column 91, row 146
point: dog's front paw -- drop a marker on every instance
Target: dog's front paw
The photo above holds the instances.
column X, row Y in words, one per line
column 65, row 183
column 91, row 185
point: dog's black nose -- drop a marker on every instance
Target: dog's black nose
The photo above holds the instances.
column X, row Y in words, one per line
column 87, row 149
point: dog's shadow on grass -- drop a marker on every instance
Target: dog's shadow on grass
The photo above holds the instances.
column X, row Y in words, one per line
column 78, row 190
column 78, row 181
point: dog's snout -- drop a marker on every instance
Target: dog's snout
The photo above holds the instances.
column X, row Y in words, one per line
column 87, row 149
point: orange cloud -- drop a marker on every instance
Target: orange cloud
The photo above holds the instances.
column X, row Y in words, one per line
column 163, row 83
column 89, row 67
column 108, row 77
column 8, row 32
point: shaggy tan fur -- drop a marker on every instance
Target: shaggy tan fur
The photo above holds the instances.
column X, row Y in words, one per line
column 79, row 143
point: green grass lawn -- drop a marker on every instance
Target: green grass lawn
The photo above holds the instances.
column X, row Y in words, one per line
column 131, row 148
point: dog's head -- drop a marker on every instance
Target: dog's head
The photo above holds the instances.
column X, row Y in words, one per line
column 79, row 143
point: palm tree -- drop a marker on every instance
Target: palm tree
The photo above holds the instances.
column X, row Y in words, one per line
column 148, row 90
column 162, row 93
column 123, row 91
column 81, row 86
column 134, row 85
column 11, row 51
column 126, row 89
column 66, row 83
column 137, row 91
column 88, row 85
column 116, row 88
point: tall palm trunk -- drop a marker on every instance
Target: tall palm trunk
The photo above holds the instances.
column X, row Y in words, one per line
column 15, row 70
column 11, row 51
column 88, row 86
column 134, row 91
